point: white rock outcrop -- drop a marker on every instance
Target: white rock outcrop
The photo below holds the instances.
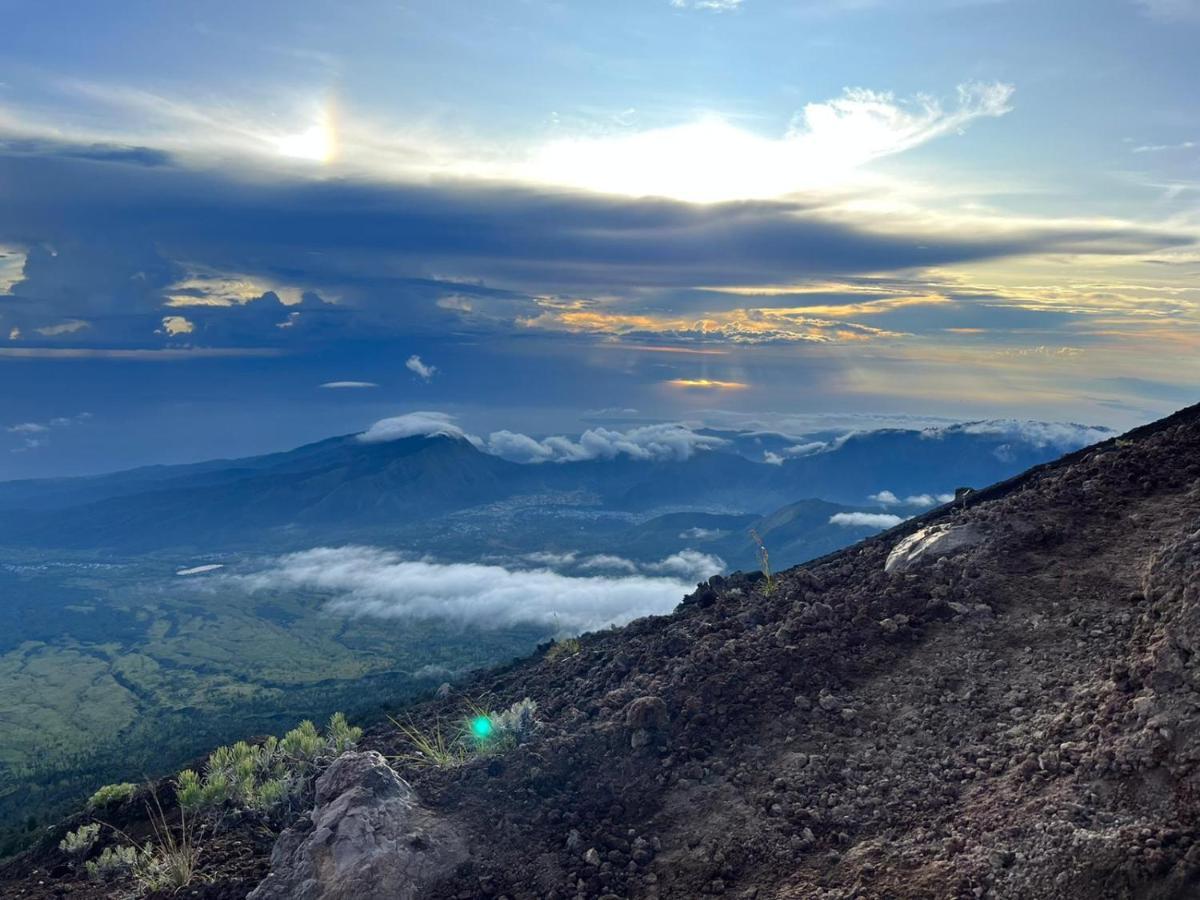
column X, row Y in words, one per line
column 930, row 543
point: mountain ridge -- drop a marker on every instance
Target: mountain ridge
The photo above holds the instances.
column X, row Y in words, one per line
column 1008, row 717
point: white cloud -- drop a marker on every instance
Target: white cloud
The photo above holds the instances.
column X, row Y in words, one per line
column 69, row 327
column 420, row 369
column 711, row 159
column 604, row 562
column 700, row 534
column 648, row 442
column 367, row 581
column 349, row 385
column 711, row 5
column 689, row 564
column 424, row 424
column 870, row 520
column 1161, row 148
column 887, row 498
column 172, row 326
column 1061, row 436
column 35, row 434
column 772, row 459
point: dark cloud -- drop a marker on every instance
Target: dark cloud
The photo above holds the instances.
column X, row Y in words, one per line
column 108, row 233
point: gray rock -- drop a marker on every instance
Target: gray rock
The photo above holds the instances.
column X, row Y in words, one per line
column 929, row 544
column 648, row 713
column 370, row 840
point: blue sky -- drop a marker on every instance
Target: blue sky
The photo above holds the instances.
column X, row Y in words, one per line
column 694, row 210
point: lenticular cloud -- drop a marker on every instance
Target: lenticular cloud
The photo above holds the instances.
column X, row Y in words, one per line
column 367, row 581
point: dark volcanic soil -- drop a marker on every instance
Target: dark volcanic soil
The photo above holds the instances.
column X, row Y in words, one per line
column 1017, row 719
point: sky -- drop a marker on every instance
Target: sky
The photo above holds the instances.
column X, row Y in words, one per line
column 227, row 228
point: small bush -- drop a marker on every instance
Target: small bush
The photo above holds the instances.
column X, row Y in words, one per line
column 517, row 723
column 81, row 840
column 563, row 649
column 111, row 794
column 479, row 733
column 340, row 736
column 113, row 863
column 267, row 778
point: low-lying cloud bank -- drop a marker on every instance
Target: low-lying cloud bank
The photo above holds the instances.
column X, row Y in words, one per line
column 667, row 441
column 674, row 441
column 888, row 498
column 368, row 581
column 870, row 520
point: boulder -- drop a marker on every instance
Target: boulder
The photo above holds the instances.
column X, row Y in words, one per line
column 369, row 840
column 930, row 543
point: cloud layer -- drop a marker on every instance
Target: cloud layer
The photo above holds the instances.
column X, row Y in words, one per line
column 862, row 519
column 367, row 581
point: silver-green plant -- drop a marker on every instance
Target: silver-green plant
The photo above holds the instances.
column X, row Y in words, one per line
column 268, row 777
column 517, row 723
column 111, row 794
column 114, row 862
column 78, row 842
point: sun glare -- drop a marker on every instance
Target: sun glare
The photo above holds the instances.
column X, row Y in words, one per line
column 707, row 384
column 317, row 143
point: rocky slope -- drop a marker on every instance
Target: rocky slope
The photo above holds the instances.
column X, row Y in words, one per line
column 1009, row 710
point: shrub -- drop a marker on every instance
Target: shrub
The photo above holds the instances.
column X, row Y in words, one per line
column 112, row 863
column 267, row 778
column 111, row 794
column 81, row 840
column 517, row 723
column 479, row 733
column 340, row 736
column 563, row 649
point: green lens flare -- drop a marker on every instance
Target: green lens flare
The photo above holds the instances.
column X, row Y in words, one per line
column 481, row 727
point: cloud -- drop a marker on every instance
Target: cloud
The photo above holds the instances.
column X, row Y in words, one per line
column 35, row 434
column 367, row 581
column 234, row 256
column 1161, row 148
column 423, row 424
column 869, row 520
column 701, row 534
column 1062, row 436
column 710, row 5
column 348, row 385
column 772, row 459
column 177, row 325
column 648, row 442
column 887, row 498
column 419, row 368
column 710, row 159
column 604, row 562
column 691, row 564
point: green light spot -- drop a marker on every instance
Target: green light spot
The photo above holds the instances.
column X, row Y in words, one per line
column 481, row 727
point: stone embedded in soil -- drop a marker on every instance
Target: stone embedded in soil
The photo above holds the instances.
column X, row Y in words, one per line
column 369, row 840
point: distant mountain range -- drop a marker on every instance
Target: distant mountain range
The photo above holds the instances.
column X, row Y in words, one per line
column 444, row 493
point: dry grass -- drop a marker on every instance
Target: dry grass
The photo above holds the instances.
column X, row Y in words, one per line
column 434, row 748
